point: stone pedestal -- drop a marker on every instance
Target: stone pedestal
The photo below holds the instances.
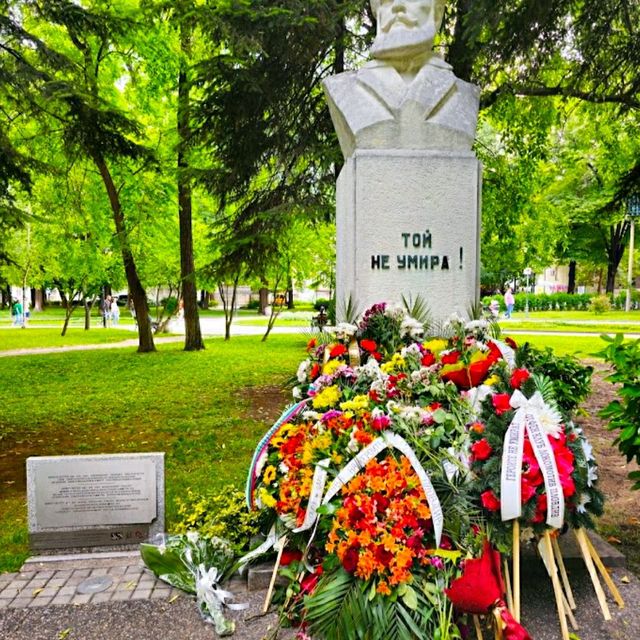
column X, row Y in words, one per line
column 408, row 224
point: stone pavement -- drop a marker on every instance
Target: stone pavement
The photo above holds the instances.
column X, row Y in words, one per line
column 42, row 602
column 64, row 581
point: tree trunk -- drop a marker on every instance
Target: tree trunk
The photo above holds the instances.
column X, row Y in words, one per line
column 228, row 305
column 615, row 251
column 67, row 316
column 290, row 304
column 204, row 299
column 87, row 314
column 145, row 335
column 263, row 303
column 38, row 304
column 193, row 336
column 571, row 287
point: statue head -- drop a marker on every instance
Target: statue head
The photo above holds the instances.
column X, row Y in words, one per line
column 406, row 28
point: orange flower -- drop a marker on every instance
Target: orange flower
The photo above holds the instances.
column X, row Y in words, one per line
column 383, row 588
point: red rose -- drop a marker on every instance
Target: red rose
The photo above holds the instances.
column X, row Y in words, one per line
column 527, row 490
column 428, row 359
column 490, row 501
column 481, row 450
column 368, row 345
column 451, row 358
column 312, row 344
column 337, row 351
column 501, row 403
column 511, row 342
column 350, row 559
column 494, row 352
column 315, row 371
column 310, row 582
column 518, row 377
column 377, row 356
column 289, row 556
column 380, row 423
column 541, row 509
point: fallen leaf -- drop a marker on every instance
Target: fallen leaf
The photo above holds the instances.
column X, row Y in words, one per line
column 614, row 540
column 131, row 585
column 35, row 592
column 174, row 598
column 65, row 633
column 625, row 579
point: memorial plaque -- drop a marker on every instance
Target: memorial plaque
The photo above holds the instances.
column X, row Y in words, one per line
column 99, row 500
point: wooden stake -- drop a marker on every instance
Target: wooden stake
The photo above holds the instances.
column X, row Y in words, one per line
column 507, row 582
column 476, row 624
column 586, row 555
column 603, row 571
column 563, row 573
column 567, row 610
column 516, row 570
column 497, row 625
column 267, row 602
column 557, row 587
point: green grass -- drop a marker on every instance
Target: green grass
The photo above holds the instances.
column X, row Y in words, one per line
column 202, row 409
column 33, row 337
column 588, row 316
column 197, row 407
column 583, row 347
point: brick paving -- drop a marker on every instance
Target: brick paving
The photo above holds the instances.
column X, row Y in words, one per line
column 54, row 582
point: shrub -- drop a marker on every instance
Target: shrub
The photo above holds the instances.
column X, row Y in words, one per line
column 223, row 514
column 623, row 414
column 570, row 378
column 600, row 305
column 321, row 302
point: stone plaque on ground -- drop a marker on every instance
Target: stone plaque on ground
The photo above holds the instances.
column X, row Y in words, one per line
column 100, row 500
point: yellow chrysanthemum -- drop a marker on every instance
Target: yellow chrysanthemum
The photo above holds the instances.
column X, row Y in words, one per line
column 266, row 498
column 331, row 367
column 328, row 397
column 357, row 404
column 397, row 362
column 492, row 380
column 436, row 346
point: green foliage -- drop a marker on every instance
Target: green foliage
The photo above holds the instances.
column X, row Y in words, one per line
column 343, row 607
column 222, row 514
column 570, row 379
column 600, row 304
column 624, row 413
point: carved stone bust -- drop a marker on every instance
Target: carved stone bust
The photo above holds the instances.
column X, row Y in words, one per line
column 406, row 97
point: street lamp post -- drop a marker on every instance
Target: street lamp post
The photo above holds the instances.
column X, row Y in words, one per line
column 633, row 211
column 527, row 272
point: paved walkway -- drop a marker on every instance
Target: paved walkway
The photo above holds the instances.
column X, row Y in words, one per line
column 42, row 602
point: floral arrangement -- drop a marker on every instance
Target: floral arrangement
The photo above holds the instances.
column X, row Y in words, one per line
column 197, row 565
column 385, row 479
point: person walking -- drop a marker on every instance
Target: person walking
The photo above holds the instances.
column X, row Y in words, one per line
column 509, row 302
column 115, row 312
column 17, row 314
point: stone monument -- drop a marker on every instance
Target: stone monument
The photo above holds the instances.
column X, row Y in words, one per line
column 408, row 196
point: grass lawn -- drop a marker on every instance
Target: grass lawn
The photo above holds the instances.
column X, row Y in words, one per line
column 583, row 316
column 205, row 410
column 582, row 347
column 33, row 338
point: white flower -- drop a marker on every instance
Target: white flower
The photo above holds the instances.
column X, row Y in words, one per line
column 411, row 327
column 584, row 500
column 476, row 396
column 344, row 330
column 526, row 534
column 550, row 420
column 193, row 536
column 283, row 468
column 587, row 449
column 302, row 370
column 476, row 324
column 411, row 350
column 371, row 369
column 592, row 475
column 353, row 445
column 297, row 394
column 311, row 415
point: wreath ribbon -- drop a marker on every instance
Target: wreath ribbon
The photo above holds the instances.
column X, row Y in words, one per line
column 527, row 420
